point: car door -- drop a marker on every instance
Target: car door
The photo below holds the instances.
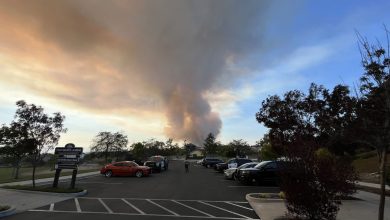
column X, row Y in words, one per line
column 127, row 169
column 117, row 169
column 268, row 173
column 132, row 168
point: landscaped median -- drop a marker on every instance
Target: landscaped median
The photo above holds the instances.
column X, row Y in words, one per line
column 6, row 210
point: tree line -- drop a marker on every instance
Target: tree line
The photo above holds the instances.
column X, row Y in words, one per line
column 109, row 145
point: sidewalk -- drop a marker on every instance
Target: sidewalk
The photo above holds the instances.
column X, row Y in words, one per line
column 45, row 180
column 25, row 200
column 364, row 209
column 371, row 185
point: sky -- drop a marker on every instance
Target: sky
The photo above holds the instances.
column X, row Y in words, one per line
column 175, row 68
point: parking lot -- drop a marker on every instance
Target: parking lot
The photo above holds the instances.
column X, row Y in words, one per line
column 201, row 193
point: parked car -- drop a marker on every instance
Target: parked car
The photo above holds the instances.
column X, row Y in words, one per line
column 231, row 173
column 265, row 172
column 232, row 163
column 199, row 162
column 152, row 165
column 125, row 168
column 161, row 162
column 210, row 162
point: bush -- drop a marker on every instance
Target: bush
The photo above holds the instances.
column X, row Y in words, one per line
column 313, row 184
column 4, row 207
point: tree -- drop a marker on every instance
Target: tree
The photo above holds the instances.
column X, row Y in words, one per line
column 138, row 150
column 41, row 131
column 374, row 111
column 301, row 127
column 188, row 148
column 106, row 142
column 210, row 145
column 15, row 145
column 240, row 147
column 266, row 151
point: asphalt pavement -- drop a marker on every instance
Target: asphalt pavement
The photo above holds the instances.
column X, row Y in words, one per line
column 173, row 194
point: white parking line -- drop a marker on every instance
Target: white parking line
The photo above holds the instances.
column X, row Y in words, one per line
column 180, row 200
column 76, row 201
column 204, row 213
column 105, row 206
column 239, row 206
column 136, row 214
column 234, row 213
column 172, row 212
column 133, row 206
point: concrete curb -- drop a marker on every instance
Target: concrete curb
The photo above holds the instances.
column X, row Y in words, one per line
column 267, row 208
column 50, row 179
column 82, row 193
column 8, row 212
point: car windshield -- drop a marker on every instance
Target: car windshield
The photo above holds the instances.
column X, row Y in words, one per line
column 261, row 164
column 247, row 165
column 156, row 159
column 213, row 159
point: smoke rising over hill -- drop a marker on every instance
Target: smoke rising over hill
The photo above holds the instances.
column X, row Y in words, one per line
column 135, row 56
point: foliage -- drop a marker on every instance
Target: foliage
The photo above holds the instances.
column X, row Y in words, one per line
column 321, row 116
column 4, row 207
column 314, row 183
column 145, row 149
column 374, row 111
column 41, row 132
column 240, row 147
column 210, row 145
column 15, row 145
column 266, row 151
column 106, row 142
column 299, row 126
column 189, row 147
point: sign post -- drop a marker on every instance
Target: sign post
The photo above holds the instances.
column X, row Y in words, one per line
column 68, row 158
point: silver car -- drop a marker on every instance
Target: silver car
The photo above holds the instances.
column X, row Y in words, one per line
column 231, row 172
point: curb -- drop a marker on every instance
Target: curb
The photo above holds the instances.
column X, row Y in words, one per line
column 82, row 193
column 50, row 179
column 8, row 212
column 266, row 209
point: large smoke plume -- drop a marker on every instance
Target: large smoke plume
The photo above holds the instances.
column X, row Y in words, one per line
column 148, row 55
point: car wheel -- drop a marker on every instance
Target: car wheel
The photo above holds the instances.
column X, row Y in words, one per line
column 108, row 174
column 208, row 165
column 139, row 174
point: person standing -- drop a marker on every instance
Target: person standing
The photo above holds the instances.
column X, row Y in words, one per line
column 186, row 165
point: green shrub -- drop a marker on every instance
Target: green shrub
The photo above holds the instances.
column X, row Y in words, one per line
column 4, row 207
column 314, row 182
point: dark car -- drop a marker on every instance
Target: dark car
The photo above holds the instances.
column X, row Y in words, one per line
column 161, row 162
column 152, row 165
column 232, row 163
column 125, row 168
column 266, row 172
column 210, row 162
column 231, row 173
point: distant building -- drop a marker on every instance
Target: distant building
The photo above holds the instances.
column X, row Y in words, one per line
column 197, row 152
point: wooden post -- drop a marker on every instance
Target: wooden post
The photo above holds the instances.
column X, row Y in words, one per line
column 56, row 178
column 73, row 182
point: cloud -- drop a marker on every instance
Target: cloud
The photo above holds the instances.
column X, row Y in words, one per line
column 132, row 57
